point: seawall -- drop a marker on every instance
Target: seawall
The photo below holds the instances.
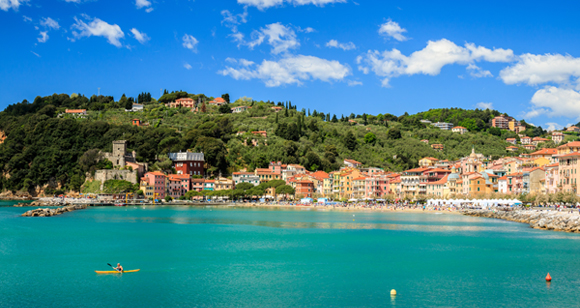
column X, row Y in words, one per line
column 537, row 219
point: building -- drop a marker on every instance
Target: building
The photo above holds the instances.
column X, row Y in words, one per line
column 352, row 163
column 529, row 147
column 188, row 163
column 245, row 177
column 512, row 141
column 76, row 111
column 437, row 147
column 304, row 189
column 557, row 137
column 443, row 125
column 208, row 185
column 182, row 102
column 276, row 108
column 223, row 184
column 538, row 140
column 121, row 159
column 569, row 147
column 552, row 179
column 568, row 171
column 197, row 184
column 525, row 140
column 534, row 180
column 358, row 187
column 459, row 129
column 218, row 101
column 512, row 148
column 428, row 161
column 413, row 182
column 240, row 109
column 136, row 122
column 438, row 188
column 573, row 129
column 505, row 122
column 153, row 185
column 262, row 133
column 178, row 185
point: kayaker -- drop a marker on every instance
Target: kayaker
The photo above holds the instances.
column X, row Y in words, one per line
column 119, row 267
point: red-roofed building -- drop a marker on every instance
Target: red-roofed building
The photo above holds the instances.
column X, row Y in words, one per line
column 181, row 102
column 437, row 147
column 526, row 140
column 459, row 129
column 557, row 137
column 153, row 185
column 512, row 141
column 568, row 171
column 569, row 147
column 438, row 188
column 178, row 185
column 76, row 111
column 352, row 163
column 276, row 108
column 218, row 101
column 538, row 140
column 304, row 189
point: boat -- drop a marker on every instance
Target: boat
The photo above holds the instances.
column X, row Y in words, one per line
column 116, row 272
column 120, row 204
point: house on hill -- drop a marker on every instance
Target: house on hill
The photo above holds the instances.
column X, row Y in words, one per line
column 218, row 101
column 240, row 109
column 459, row 129
column 352, row 163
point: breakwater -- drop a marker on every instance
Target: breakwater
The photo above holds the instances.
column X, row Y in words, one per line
column 46, row 212
column 567, row 221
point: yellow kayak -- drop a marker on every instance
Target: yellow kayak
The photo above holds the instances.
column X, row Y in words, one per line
column 116, row 272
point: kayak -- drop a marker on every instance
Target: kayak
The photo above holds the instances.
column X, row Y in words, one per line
column 116, row 272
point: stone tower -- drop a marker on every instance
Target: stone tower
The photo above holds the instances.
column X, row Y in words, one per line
column 119, row 152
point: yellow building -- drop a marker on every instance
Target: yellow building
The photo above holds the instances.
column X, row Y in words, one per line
column 428, row 162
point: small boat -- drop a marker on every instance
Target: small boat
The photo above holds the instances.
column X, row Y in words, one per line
column 116, row 272
column 120, row 204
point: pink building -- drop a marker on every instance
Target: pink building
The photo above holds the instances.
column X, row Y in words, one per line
column 181, row 102
column 568, row 172
column 156, row 181
column 178, row 185
column 377, row 186
column 552, row 179
column 515, row 183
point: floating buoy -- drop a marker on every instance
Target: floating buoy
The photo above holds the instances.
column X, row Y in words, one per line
column 548, row 278
column 393, row 292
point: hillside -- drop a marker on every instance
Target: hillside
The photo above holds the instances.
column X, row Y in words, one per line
column 46, row 147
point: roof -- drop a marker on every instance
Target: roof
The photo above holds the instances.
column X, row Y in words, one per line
column 460, row 127
column 186, row 156
column 514, row 174
column 570, row 154
column 492, row 175
column 240, row 173
column 430, row 158
column 417, row 170
column 156, row 173
column 553, row 165
column 441, row 181
column 511, row 147
column 304, row 182
column 209, row 181
column 511, row 139
column 219, row 100
column 525, row 137
column 570, row 144
column 439, row 170
column 545, row 152
column 503, row 178
column 540, row 139
column 75, row 110
column 320, row 175
column 352, row 161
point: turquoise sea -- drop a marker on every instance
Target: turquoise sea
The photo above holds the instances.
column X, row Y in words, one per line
column 237, row 257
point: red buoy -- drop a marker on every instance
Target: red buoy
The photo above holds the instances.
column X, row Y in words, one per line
column 548, row 278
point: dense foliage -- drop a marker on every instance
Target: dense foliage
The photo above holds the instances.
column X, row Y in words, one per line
column 45, row 147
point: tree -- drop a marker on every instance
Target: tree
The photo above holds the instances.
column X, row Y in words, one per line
column 276, row 118
column 225, row 109
column 226, row 98
column 394, row 133
column 370, row 138
column 334, row 119
column 350, row 141
column 123, row 101
column 203, row 107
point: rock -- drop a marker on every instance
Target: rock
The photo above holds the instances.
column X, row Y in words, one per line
column 544, row 219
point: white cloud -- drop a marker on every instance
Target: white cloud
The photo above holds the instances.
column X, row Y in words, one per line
column 484, row 106
column 49, row 23
column 553, row 126
column 428, row 61
column 476, row 71
column 97, row 27
column 392, row 29
column 26, row 18
column 35, row 53
column 232, row 21
column 556, row 102
column 187, row 66
column 538, row 69
column 306, row 30
column 140, row 36
column 280, row 37
column 343, row 46
column 43, row 37
column 5, row 5
column 353, row 83
column 143, row 4
column 190, row 42
column 264, row 4
column 289, row 70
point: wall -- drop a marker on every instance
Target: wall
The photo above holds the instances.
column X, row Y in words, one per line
column 127, row 175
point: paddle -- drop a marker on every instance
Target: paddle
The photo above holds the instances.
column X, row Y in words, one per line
column 113, row 267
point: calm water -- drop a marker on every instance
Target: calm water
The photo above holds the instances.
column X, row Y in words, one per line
column 229, row 257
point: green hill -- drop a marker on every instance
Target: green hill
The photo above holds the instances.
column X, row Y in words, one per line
column 46, row 147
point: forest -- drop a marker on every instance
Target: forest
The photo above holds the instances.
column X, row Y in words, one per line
column 46, row 148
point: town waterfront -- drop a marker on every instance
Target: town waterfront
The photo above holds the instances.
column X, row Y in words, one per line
column 228, row 256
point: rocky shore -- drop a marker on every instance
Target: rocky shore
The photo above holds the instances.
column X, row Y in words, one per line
column 53, row 212
column 41, row 203
column 537, row 219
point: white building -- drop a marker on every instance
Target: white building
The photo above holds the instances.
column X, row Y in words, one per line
column 443, row 125
column 245, row 177
column 459, row 129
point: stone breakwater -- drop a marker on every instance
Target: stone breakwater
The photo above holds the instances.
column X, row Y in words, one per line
column 537, row 219
column 41, row 203
column 53, row 212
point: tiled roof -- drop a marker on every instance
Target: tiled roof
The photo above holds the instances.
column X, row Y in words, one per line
column 545, row 152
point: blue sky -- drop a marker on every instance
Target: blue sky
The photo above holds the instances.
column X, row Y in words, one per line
column 337, row 56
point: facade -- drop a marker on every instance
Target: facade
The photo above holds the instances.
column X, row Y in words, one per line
column 573, row 129
column 240, row 109
column 568, row 172
column 569, row 147
column 557, row 137
column 178, row 185
column 76, row 111
column 459, row 129
column 512, row 141
column 182, row 102
column 352, row 163
column 218, row 101
column 153, row 185
column 413, row 182
column 121, row 159
column 188, row 163
column 538, row 140
column 437, row 147
column 197, row 184
column 304, row 189
column 443, row 125
column 245, row 177
column 526, row 140
column 552, row 179
column 428, row 162
column 223, row 184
